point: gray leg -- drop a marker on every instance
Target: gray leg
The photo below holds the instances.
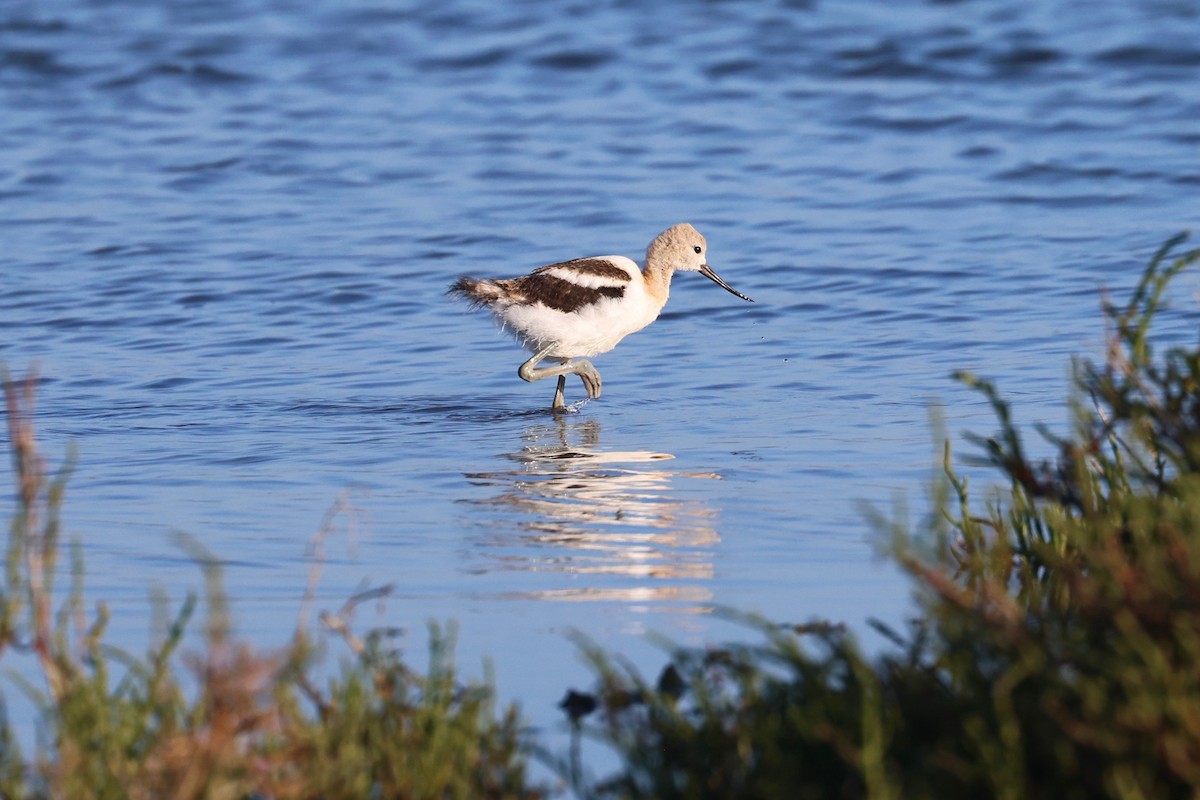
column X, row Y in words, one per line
column 558, row 393
column 530, row 371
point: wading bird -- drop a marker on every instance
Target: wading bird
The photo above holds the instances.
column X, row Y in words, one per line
column 569, row 311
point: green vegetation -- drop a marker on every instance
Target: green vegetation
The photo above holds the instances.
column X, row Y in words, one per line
column 258, row 725
column 1057, row 652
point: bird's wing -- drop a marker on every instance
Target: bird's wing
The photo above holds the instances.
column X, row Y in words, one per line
column 572, row 285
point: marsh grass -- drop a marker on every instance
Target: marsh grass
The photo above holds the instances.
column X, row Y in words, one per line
column 257, row 724
column 1056, row 653
column 1057, row 650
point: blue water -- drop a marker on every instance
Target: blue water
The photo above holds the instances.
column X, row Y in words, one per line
column 227, row 229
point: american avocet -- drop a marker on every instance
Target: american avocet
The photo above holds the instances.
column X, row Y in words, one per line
column 586, row 306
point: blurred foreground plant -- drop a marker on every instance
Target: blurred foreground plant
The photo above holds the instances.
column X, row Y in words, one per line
column 1057, row 654
column 258, row 725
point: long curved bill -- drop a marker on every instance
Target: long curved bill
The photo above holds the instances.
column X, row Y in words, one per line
column 707, row 272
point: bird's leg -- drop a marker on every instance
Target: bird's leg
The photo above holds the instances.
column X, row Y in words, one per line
column 558, row 403
column 530, row 371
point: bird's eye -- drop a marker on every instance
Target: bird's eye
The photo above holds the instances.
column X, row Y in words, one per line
column 697, row 248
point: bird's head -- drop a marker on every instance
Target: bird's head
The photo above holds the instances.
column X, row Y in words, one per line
column 681, row 247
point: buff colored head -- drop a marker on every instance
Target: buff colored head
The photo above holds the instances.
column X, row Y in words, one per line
column 681, row 247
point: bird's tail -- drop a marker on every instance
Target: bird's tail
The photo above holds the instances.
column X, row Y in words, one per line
column 477, row 291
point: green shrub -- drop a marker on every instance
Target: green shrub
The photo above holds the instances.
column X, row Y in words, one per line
column 257, row 726
column 1057, row 653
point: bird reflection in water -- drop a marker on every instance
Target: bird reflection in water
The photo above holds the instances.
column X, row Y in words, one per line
column 613, row 520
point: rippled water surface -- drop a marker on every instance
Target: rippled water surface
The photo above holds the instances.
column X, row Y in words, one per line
column 227, row 229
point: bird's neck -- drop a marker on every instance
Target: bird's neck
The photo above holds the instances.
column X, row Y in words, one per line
column 658, row 281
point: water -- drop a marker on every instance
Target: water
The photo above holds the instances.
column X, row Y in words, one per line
column 228, row 228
